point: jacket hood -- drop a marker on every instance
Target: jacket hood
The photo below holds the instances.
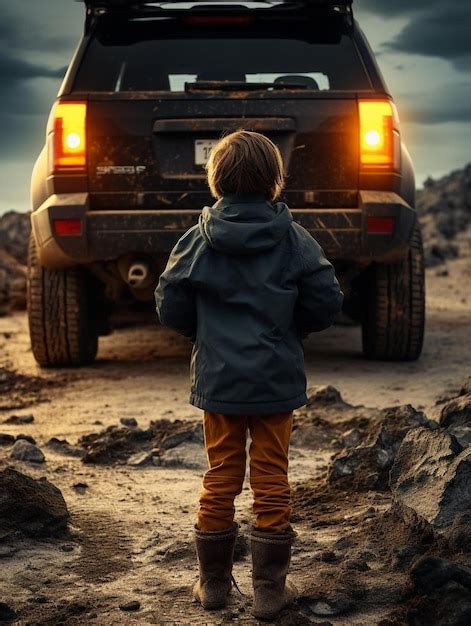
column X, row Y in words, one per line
column 244, row 224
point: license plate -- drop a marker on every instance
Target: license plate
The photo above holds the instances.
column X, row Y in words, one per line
column 203, row 149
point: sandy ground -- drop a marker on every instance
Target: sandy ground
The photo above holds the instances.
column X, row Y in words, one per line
column 131, row 528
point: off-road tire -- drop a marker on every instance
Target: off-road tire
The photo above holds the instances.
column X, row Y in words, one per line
column 393, row 316
column 62, row 331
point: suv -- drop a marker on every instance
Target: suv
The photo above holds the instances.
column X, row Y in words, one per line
column 149, row 91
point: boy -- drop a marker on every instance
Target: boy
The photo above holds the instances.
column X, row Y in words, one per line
column 245, row 285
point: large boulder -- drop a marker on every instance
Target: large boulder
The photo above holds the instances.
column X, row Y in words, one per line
column 34, row 507
column 367, row 465
column 455, row 416
column 12, row 283
column 444, row 208
column 15, row 229
column 432, row 475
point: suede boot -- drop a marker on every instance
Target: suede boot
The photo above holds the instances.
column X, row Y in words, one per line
column 271, row 555
column 215, row 551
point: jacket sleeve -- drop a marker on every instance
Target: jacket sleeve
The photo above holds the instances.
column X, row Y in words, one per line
column 319, row 296
column 174, row 295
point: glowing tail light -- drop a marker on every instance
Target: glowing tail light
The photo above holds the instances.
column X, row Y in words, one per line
column 378, row 134
column 67, row 136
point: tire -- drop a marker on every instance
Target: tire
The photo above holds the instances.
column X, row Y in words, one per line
column 62, row 331
column 393, row 319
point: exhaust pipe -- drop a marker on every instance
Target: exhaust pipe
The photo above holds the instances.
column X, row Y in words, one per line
column 138, row 275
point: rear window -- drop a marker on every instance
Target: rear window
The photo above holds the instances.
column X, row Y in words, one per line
column 166, row 63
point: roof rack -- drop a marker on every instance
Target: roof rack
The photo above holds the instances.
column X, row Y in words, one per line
column 129, row 9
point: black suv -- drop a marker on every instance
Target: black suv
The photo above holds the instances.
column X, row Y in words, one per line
column 149, row 91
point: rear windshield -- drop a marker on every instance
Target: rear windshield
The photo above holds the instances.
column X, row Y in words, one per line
column 166, row 63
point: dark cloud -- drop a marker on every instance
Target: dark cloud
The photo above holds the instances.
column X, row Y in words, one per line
column 27, row 91
column 435, row 28
column 13, row 70
column 448, row 103
column 442, row 31
column 395, row 7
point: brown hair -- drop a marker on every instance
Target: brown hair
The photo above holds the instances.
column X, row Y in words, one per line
column 245, row 162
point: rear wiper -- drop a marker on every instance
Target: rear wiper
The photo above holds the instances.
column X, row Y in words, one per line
column 229, row 85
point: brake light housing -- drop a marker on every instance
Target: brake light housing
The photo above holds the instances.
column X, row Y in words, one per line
column 379, row 135
column 67, row 140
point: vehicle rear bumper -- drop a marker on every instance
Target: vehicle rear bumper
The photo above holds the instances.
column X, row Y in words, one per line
column 110, row 234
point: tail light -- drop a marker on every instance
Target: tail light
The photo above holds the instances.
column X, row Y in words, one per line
column 67, row 137
column 379, row 134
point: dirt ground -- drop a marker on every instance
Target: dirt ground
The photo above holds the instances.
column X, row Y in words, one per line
column 131, row 527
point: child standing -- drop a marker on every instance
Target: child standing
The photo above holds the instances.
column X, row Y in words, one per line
column 245, row 285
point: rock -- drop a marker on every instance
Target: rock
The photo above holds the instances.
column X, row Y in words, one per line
column 62, row 446
column 26, row 438
column 15, row 229
column 197, row 433
column 188, row 455
column 358, row 468
column 130, row 422
column 344, row 543
column 66, row 547
column 323, row 394
column 19, row 419
column 432, row 475
column 444, row 209
column 7, row 614
column 137, row 446
column 113, row 444
column 367, row 465
column 25, row 451
column 12, row 282
column 431, row 573
column 80, row 487
column 352, row 437
column 175, row 439
column 140, row 459
column 6, row 439
column 455, row 416
column 338, row 604
column 133, row 605
column 34, row 507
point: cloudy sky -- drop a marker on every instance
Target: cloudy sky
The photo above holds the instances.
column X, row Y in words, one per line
column 423, row 48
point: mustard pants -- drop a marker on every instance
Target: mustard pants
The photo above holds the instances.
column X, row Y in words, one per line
column 225, row 441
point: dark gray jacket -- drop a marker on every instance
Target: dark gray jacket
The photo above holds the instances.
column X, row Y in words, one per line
column 245, row 284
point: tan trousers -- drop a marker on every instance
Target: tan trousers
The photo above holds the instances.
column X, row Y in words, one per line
column 225, row 440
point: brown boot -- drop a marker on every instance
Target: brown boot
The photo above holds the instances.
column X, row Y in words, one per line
column 271, row 555
column 215, row 551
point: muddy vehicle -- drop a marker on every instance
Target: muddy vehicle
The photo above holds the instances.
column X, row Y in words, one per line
column 149, row 91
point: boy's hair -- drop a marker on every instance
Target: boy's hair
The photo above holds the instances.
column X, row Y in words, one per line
column 245, row 162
